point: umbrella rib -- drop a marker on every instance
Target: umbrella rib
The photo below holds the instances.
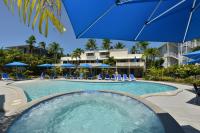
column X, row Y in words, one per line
column 196, row 7
column 99, row 18
column 134, row 1
column 168, row 10
column 157, row 6
column 189, row 20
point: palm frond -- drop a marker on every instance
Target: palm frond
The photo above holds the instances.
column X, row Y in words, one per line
column 32, row 11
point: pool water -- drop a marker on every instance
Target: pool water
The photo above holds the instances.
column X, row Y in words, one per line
column 40, row 88
column 96, row 112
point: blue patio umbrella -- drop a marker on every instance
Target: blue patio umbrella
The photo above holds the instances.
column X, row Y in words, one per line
column 194, row 61
column 193, row 55
column 135, row 20
column 104, row 66
column 67, row 65
column 46, row 65
column 16, row 64
column 85, row 65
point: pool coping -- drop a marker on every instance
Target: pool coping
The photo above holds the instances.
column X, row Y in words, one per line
column 169, row 123
column 28, row 104
column 14, row 98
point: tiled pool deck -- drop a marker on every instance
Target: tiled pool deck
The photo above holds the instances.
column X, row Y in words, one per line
column 181, row 105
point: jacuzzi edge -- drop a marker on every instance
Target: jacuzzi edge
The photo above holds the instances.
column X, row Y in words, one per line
column 169, row 123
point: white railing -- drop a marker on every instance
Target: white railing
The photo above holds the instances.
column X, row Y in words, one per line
column 104, row 56
column 171, row 54
column 91, row 57
column 127, row 64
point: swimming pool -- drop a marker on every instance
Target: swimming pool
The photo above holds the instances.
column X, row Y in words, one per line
column 89, row 112
column 40, row 88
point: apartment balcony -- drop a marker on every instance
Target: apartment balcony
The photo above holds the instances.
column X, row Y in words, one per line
column 91, row 57
column 131, row 64
column 171, row 54
column 104, row 56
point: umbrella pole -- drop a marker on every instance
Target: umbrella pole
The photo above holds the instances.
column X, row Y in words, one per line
column 129, row 67
column 16, row 72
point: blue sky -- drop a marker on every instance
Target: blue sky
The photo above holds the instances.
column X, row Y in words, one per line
column 14, row 32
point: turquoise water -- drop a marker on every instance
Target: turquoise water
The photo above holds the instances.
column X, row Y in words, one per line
column 40, row 88
column 95, row 112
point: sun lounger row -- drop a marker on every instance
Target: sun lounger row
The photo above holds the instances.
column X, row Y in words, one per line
column 19, row 76
column 118, row 77
column 4, row 76
column 81, row 76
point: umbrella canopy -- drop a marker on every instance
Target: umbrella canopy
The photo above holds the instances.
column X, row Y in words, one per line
column 193, row 55
column 104, row 66
column 16, row 64
column 194, row 61
column 135, row 20
column 68, row 65
column 85, row 65
column 46, row 65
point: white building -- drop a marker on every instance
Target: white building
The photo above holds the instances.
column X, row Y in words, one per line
column 172, row 53
column 125, row 62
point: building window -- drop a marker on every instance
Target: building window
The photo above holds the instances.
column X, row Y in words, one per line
column 90, row 54
column 104, row 54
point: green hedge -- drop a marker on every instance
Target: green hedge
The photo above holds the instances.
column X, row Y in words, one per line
column 187, row 74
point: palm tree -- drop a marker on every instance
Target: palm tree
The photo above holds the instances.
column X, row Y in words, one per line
column 142, row 45
column 77, row 53
column 44, row 10
column 91, row 44
column 111, row 61
column 119, row 45
column 54, row 48
column 61, row 51
column 31, row 41
column 133, row 49
column 42, row 45
column 150, row 55
column 106, row 44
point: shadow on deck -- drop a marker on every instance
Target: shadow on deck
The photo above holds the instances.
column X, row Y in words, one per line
column 190, row 129
column 195, row 100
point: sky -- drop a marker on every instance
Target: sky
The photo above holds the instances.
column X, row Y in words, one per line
column 14, row 32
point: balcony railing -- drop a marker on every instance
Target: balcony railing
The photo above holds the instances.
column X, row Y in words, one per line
column 131, row 64
column 104, row 56
column 91, row 57
column 171, row 54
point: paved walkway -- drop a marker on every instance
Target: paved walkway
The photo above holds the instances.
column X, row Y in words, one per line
column 182, row 107
column 11, row 98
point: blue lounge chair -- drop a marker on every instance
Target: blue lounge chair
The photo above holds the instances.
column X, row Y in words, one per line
column 132, row 77
column 20, row 76
column 107, row 77
column 53, row 76
column 113, row 77
column 81, row 76
column 4, row 76
column 125, row 78
column 65, row 76
column 90, row 76
column 44, row 75
column 119, row 77
column 99, row 77
column 74, row 76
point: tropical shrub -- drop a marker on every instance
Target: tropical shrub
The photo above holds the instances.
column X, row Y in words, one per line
column 182, row 74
